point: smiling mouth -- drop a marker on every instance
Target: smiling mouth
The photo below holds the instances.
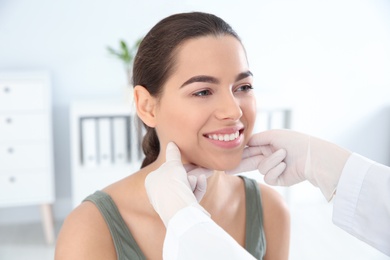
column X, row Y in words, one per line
column 224, row 137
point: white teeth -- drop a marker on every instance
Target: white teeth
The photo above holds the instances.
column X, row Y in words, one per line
column 225, row 137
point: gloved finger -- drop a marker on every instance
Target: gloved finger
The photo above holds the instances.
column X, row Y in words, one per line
column 201, row 187
column 271, row 161
column 266, row 150
column 189, row 167
column 274, row 176
column 192, row 180
column 259, row 162
column 246, row 165
column 251, row 151
column 172, row 152
column 261, row 139
column 251, row 158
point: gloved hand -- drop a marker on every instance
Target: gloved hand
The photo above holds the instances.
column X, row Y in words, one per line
column 308, row 158
column 169, row 189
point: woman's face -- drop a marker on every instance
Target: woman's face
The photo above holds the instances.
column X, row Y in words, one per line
column 208, row 107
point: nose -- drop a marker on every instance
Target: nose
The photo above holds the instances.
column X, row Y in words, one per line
column 228, row 108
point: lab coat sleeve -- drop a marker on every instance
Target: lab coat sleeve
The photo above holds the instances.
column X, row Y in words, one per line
column 362, row 202
column 191, row 234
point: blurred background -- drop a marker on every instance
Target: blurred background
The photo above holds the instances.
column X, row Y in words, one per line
column 328, row 62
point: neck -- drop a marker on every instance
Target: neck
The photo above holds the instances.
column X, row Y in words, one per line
column 217, row 184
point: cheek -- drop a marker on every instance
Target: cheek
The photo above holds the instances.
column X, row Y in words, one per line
column 180, row 125
column 249, row 111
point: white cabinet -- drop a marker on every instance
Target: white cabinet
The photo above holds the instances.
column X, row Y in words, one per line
column 26, row 147
column 105, row 145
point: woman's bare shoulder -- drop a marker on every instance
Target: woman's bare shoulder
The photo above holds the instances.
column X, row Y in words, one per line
column 84, row 235
column 276, row 221
column 271, row 198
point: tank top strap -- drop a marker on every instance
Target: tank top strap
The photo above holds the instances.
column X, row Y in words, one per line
column 125, row 245
column 255, row 238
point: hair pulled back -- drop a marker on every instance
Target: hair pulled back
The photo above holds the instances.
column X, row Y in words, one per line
column 155, row 59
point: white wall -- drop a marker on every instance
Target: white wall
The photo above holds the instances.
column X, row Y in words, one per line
column 329, row 60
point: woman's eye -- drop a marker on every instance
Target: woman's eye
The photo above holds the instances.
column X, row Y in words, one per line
column 245, row 88
column 202, row 93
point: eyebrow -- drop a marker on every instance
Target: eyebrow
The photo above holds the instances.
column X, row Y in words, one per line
column 244, row 75
column 213, row 80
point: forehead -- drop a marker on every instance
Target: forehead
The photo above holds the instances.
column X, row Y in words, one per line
column 211, row 54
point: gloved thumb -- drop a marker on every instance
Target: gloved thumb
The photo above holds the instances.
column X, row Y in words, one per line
column 192, row 180
column 201, row 187
column 198, row 185
column 172, row 152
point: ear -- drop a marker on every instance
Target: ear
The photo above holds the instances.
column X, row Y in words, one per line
column 145, row 105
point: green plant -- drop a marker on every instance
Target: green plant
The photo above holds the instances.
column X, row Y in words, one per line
column 126, row 55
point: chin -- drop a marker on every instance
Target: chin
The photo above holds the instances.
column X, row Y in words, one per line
column 224, row 165
column 215, row 161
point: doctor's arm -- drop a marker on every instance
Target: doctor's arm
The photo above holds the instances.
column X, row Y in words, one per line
column 362, row 202
column 361, row 187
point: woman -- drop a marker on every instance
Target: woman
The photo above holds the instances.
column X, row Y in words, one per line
column 193, row 86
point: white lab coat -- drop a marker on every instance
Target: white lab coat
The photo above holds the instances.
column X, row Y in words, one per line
column 361, row 207
column 362, row 202
column 192, row 235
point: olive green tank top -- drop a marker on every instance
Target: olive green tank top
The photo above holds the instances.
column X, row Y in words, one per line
column 127, row 248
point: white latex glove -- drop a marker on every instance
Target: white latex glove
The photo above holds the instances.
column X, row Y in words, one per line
column 308, row 158
column 198, row 185
column 169, row 189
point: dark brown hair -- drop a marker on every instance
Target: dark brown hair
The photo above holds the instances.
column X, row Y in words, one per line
column 155, row 59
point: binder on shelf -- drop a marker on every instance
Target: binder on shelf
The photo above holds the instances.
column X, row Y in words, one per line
column 88, row 142
column 104, row 141
column 140, row 133
column 136, row 134
column 120, row 140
